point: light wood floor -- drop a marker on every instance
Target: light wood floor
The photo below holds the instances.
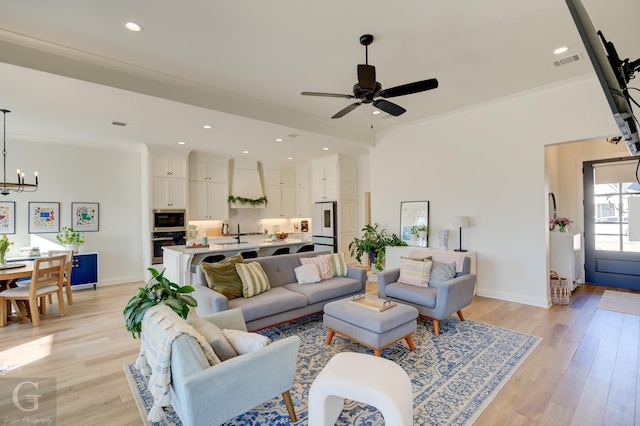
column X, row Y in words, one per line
column 584, row 372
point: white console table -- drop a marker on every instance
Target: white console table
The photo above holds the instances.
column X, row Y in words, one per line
column 393, row 255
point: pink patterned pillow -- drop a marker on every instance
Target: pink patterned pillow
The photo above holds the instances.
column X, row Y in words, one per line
column 323, row 264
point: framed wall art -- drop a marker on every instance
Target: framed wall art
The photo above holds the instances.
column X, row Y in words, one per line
column 7, row 217
column 44, row 217
column 414, row 222
column 85, row 216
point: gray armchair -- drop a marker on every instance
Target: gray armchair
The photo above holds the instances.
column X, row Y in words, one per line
column 211, row 395
column 433, row 302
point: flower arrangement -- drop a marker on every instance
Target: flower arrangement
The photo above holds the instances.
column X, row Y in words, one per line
column 4, row 246
column 562, row 222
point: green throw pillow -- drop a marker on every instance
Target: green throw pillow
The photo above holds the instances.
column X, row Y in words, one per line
column 223, row 277
column 338, row 264
column 254, row 279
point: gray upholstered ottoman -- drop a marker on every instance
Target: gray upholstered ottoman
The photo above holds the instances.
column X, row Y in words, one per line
column 376, row 330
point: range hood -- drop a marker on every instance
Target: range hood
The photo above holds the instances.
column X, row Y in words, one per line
column 245, row 183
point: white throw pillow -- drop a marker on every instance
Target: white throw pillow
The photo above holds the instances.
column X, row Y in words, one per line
column 307, row 274
column 212, row 334
column 244, row 342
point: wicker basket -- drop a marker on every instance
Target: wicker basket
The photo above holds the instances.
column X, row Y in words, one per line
column 560, row 289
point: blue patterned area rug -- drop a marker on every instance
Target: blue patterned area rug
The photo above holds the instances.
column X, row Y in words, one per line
column 454, row 376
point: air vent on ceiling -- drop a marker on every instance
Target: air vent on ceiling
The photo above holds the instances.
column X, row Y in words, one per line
column 293, row 135
column 119, row 123
column 567, row 60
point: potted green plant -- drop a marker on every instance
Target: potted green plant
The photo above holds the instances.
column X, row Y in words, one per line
column 158, row 290
column 71, row 239
column 420, row 232
column 373, row 242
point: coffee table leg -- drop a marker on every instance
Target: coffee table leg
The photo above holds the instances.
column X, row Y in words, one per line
column 330, row 336
column 410, row 343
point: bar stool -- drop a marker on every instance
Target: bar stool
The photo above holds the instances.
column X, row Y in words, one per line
column 281, row 250
column 209, row 259
column 308, row 247
column 249, row 254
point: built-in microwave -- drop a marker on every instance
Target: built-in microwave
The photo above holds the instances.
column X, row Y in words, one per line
column 169, row 220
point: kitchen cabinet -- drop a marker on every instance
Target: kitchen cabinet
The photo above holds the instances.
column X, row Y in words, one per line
column 281, row 194
column 303, row 200
column 168, row 193
column 85, row 269
column 208, row 200
column 324, row 175
column 164, row 165
column 208, row 189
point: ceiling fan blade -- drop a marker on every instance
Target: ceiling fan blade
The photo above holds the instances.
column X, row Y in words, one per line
column 328, row 95
column 408, row 89
column 347, row 110
column 367, row 77
column 389, row 107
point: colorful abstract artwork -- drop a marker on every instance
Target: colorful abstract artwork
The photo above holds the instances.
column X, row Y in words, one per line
column 44, row 217
column 7, row 217
column 84, row 216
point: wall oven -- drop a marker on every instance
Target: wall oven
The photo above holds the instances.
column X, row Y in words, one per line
column 169, row 220
column 163, row 239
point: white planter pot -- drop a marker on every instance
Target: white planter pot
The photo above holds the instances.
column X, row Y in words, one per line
column 74, row 247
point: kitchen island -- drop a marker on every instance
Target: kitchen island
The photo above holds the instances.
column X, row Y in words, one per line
column 177, row 260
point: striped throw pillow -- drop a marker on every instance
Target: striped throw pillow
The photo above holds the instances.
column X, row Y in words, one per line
column 415, row 272
column 323, row 264
column 254, row 280
column 338, row 264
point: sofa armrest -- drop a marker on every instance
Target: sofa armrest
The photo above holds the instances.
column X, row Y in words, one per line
column 454, row 295
column 230, row 319
column 385, row 278
column 359, row 274
column 223, row 391
column 209, row 301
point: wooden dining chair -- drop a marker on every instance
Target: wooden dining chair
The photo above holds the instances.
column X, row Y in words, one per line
column 47, row 278
column 67, row 273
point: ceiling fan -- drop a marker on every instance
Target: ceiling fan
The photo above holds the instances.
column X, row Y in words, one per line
column 368, row 91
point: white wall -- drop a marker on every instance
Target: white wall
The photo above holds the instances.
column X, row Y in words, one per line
column 75, row 172
column 488, row 163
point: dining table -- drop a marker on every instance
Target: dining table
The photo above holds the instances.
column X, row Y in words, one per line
column 9, row 274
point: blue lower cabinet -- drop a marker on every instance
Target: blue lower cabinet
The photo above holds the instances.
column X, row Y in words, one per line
column 85, row 269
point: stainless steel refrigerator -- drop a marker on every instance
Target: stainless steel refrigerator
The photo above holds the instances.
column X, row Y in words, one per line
column 324, row 228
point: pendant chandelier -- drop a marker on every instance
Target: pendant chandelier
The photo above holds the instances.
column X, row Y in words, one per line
column 20, row 186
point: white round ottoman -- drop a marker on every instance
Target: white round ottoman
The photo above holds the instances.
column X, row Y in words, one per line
column 360, row 377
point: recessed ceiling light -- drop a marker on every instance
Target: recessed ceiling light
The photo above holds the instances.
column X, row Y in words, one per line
column 325, row 149
column 206, row 126
column 376, row 112
column 245, row 152
column 560, row 50
column 132, row 26
column 182, row 143
column 279, row 140
column 289, row 158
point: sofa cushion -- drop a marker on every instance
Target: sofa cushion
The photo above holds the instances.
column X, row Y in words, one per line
column 212, row 334
column 223, row 277
column 254, row 280
column 423, row 296
column 415, row 272
column 271, row 302
column 442, row 272
column 338, row 263
column 323, row 264
column 326, row 289
column 307, row 274
column 244, row 342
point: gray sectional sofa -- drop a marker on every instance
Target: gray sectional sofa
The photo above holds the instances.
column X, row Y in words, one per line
column 286, row 300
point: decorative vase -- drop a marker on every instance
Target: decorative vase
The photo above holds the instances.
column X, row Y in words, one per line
column 73, row 247
column 562, row 228
column 443, row 235
column 3, row 259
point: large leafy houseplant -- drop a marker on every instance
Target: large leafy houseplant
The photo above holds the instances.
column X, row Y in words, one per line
column 158, row 290
column 68, row 236
column 373, row 242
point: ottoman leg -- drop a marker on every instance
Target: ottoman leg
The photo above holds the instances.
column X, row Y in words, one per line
column 377, row 352
column 330, row 336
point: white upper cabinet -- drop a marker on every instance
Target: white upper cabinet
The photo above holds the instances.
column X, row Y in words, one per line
column 162, row 165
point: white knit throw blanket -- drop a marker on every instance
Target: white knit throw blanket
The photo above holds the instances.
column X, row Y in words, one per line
column 160, row 327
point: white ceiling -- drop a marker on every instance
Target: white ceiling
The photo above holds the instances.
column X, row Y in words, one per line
column 69, row 68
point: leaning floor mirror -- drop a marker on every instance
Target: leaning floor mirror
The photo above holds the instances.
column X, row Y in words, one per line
column 414, row 222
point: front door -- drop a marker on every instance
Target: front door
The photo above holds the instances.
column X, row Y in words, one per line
column 612, row 223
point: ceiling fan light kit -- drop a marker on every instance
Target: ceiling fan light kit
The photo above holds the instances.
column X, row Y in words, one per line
column 367, row 89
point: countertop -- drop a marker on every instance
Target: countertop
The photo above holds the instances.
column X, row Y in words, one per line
column 248, row 245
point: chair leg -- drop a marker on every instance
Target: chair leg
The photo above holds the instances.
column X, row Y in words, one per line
column 289, row 403
column 67, row 284
column 460, row 316
column 43, row 305
column 3, row 311
column 50, row 299
column 33, row 307
column 436, row 327
column 61, row 302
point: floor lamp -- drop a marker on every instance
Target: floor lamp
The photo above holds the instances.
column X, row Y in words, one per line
column 462, row 222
